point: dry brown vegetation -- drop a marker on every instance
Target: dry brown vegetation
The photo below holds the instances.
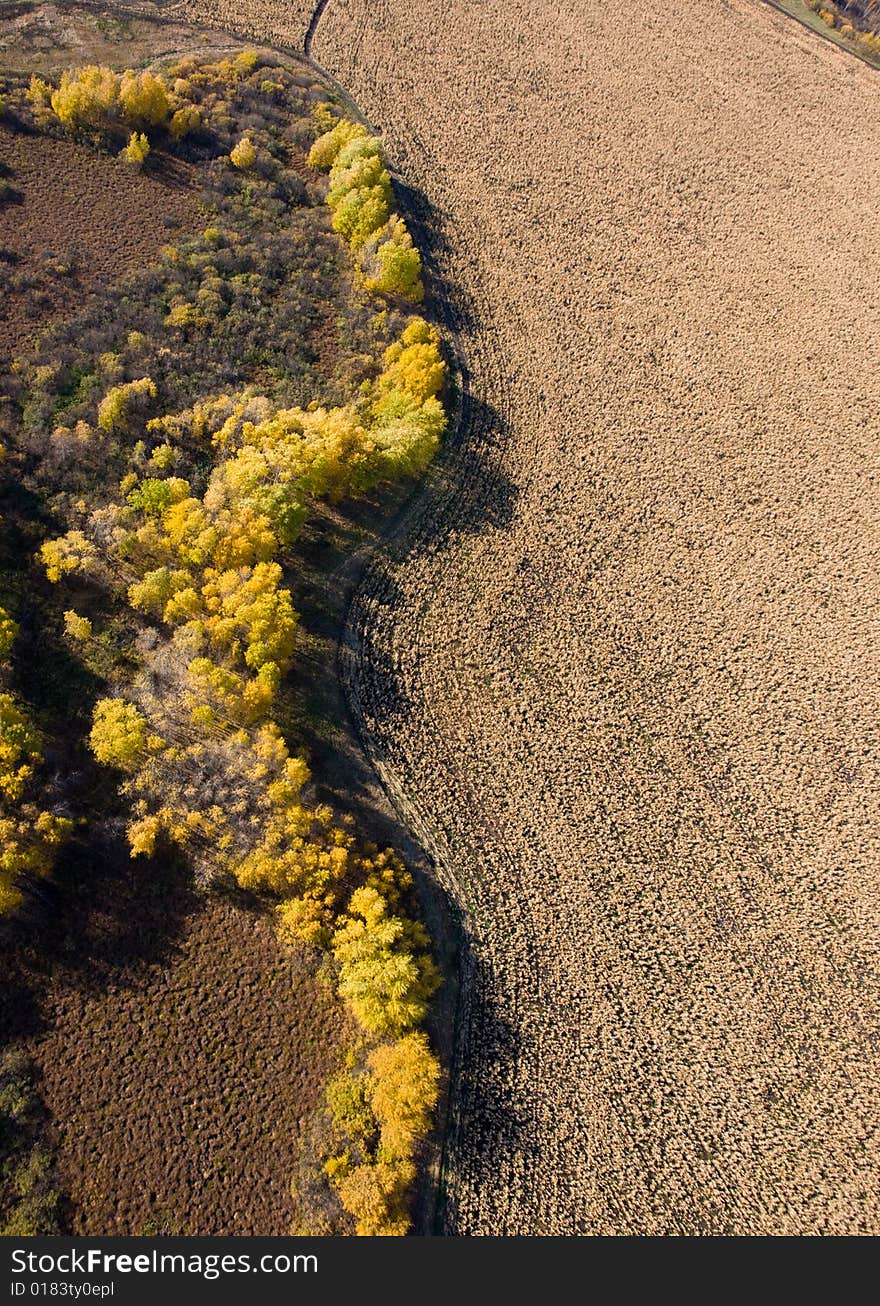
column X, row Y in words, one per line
column 621, row 670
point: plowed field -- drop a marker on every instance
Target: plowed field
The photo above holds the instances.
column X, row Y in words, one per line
column 620, row 666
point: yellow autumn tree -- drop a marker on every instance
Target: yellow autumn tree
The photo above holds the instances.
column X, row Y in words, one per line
column 29, row 837
column 71, row 552
column 119, row 734
column 384, row 983
column 29, row 841
column 323, row 153
column 244, row 154
column 375, row 1194
column 248, row 606
column 144, row 100
column 394, row 266
column 413, row 364
column 406, row 1080
column 123, row 401
column 19, row 749
column 87, row 98
column 184, row 120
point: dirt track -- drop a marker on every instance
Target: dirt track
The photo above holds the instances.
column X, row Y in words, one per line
column 623, row 665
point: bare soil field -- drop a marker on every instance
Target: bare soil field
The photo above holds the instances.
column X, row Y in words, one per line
column 621, row 668
column 74, row 220
column 179, row 1074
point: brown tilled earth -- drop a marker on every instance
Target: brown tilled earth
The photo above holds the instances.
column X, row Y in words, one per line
column 181, row 1054
column 76, row 220
column 622, row 667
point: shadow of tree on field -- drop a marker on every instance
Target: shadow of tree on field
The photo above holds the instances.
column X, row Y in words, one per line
column 425, row 222
column 347, row 594
column 465, row 494
column 486, row 1130
column 102, row 919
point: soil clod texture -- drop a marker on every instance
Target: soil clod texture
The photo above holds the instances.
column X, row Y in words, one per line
column 179, row 1075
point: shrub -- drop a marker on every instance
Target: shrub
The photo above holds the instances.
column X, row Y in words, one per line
column 244, row 154
column 77, row 627
column 38, row 93
column 137, row 149
column 348, row 1097
column 184, row 315
column 25, row 1164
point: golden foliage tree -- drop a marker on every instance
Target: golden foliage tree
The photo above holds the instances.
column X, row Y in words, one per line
column 406, row 1078
column 122, row 402
column 361, row 199
column 71, row 552
column 144, row 100
column 137, row 149
column 19, row 749
column 396, row 265
column 29, row 837
column 325, row 149
column 87, row 98
column 119, row 734
column 375, row 1194
column 244, row 154
column 386, row 985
